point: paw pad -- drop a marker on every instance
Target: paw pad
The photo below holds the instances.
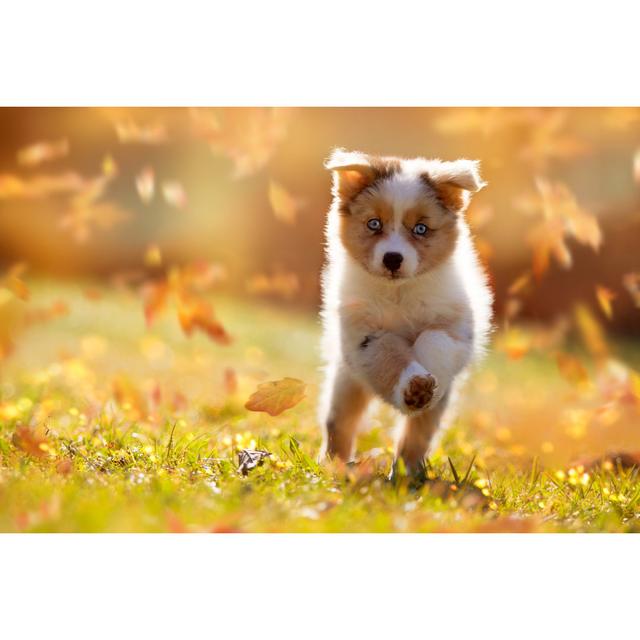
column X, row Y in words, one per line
column 419, row 391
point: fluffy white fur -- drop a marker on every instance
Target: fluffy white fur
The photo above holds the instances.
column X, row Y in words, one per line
column 418, row 301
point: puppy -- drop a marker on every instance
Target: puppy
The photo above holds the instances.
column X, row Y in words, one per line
column 406, row 305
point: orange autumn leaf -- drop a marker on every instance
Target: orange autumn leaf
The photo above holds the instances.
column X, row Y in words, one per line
column 40, row 152
column 154, row 299
column 230, row 381
column 631, row 282
column 13, row 281
column 572, row 369
column 591, row 332
column 276, row 396
column 605, row 297
column 197, row 314
column 145, row 184
column 30, row 441
column 285, row 207
column 39, row 186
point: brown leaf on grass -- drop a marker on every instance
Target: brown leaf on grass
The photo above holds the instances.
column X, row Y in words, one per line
column 130, row 132
column 145, row 185
column 195, row 314
column 284, row 206
column 604, row 297
column 248, row 136
column 276, row 396
column 250, row 459
column 13, row 281
column 30, row 441
column 40, row 152
column 631, row 282
column 572, row 369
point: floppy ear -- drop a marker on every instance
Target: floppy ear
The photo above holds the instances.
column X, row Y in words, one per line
column 352, row 172
column 455, row 181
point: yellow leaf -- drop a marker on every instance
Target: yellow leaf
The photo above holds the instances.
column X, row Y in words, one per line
column 604, row 297
column 277, row 396
column 285, row 206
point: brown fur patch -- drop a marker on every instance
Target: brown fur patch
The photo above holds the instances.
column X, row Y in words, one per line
column 451, row 196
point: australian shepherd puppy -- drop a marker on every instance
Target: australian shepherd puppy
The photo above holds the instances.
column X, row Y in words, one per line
column 406, row 305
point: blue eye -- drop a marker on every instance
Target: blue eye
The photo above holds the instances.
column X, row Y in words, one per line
column 374, row 224
column 420, row 229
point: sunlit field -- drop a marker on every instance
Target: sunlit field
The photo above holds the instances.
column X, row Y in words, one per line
column 106, row 425
column 159, row 331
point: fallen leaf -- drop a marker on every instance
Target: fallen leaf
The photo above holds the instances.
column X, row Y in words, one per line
column 276, row 396
column 40, row 152
column 250, row 459
column 30, row 441
column 605, row 297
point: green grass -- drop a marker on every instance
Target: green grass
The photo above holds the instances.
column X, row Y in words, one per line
column 139, row 434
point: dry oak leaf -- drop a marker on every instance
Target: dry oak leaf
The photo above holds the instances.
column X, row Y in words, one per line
column 276, row 396
column 30, row 441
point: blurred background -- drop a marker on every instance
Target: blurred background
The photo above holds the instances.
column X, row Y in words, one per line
column 99, row 193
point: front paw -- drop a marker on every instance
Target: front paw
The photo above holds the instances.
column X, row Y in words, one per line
column 419, row 392
column 416, row 389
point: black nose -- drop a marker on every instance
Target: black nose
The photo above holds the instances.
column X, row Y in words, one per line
column 392, row 261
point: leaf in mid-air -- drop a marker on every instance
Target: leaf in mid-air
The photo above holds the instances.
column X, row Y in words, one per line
column 285, row 207
column 276, row 396
column 605, row 297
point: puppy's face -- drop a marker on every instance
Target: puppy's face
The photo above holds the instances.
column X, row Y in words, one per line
column 398, row 218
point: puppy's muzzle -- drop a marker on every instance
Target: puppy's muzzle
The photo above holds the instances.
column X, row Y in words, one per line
column 392, row 261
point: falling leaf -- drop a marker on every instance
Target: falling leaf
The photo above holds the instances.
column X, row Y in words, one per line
column 197, row 314
column 591, row 332
column 631, row 282
column 174, row 194
column 519, row 284
column 153, row 256
column 250, row 459
column 562, row 217
column 40, row 152
column 13, row 281
column 145, row 184
column 572, row 369
column 285, row 207
column 249, row 136
column 277, row 396
column 40, row 186
column 154, row 296
column 230, row 381
column 128, row 131
column 605, row 297
column 30, row 441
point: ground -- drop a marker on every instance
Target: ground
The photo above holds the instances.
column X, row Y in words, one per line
column 109, row 425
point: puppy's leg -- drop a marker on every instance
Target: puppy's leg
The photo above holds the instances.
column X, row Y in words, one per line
column 388, row 364
column 443, row 355
column 416, row 436
column 347, row 403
